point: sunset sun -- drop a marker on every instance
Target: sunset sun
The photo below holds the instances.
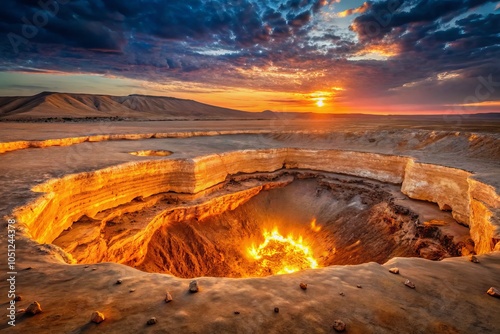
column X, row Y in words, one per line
column 320, row 103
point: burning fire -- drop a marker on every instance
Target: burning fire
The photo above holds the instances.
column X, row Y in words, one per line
column 315, row 227
column 280, row 255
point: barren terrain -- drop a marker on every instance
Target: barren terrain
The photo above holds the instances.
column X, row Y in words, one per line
column 421, row 195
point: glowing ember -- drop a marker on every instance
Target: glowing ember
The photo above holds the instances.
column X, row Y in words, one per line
column 315, row 227
column 280, row 255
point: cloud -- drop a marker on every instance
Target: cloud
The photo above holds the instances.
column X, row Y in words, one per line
column 426, row 42
column 359, row 10
column 280, row 45
column 385, row 16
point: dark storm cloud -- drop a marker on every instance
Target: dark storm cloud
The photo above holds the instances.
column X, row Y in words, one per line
column 385, row 16
column 175, row 35
column 429, row 43
column 94, row 24
column 64, row 24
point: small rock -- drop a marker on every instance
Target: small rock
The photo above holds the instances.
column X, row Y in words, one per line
column 494, row 292
column 359, row 286
column 394, row 270
column 342, row 294
column 339, row 326
column 119, row 281
column 97, row 317
column 131, row 290
column 276, row 310
column 473, row 259
column 94, row 268
column 168, row 297
column 193, row 286
column 18, row 298
column 85, row 266
column 151, row 321
column 236, row 312
column 303, row 286
column 409, row 284
column 34, row 308
column 21, row 310
column 28, row 268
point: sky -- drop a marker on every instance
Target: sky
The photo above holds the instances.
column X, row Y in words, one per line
column 329, row 56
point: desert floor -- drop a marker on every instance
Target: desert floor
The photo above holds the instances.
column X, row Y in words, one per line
column 450, row 295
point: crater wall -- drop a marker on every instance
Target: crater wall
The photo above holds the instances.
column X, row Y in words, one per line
column 65, row 200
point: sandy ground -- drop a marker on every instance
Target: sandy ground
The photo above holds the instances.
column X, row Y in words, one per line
column 450, row 296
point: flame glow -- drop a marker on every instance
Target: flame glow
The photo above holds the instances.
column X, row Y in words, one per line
column 282, row 255
column 315, row 227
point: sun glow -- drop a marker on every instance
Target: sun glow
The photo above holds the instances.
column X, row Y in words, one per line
column 282, row 255
column 324, row 98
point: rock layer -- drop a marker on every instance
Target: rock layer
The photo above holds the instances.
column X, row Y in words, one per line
column 66, row 200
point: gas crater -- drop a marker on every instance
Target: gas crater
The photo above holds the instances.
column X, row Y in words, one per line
column 303, row 222
column 261, row 212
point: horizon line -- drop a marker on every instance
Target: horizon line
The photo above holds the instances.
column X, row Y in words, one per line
column 423, row 113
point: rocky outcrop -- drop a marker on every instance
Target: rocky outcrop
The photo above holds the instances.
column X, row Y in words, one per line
column 484, row 216
column 66, row 200
column 448, row 187
column 471, row 202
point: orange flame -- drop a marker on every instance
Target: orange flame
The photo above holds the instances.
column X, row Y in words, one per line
column 280, row 255
column 314, row 227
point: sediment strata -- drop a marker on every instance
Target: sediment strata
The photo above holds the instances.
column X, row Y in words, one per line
column 66, row 200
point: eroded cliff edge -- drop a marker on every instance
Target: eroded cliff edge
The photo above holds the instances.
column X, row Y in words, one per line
column 64, row 201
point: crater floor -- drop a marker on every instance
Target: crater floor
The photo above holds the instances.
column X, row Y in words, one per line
column 49, row 189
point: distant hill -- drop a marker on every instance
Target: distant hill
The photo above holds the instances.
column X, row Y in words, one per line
column 54, row 106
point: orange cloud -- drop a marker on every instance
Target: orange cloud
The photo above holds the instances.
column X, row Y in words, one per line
column 382, row 49
column 478, row 104
column 361, row 9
